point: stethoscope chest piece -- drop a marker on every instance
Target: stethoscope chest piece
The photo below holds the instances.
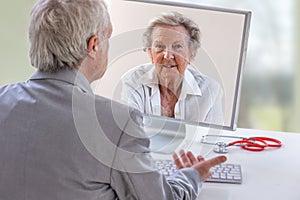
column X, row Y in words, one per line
column 221, row 147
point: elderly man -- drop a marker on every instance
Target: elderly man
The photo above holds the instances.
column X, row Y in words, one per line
column 60, row 141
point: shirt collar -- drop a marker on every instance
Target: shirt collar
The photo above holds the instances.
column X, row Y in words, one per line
column 150, row 78
column 73, row 76
column 189, row 85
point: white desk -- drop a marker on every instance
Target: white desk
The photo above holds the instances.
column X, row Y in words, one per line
column 273, row 174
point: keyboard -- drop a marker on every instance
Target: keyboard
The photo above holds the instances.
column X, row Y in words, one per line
column 223, row 173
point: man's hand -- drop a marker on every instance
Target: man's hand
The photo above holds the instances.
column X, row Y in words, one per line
column 200, row 164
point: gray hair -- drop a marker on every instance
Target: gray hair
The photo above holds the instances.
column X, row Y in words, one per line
column 174, row 19
column 60, row 29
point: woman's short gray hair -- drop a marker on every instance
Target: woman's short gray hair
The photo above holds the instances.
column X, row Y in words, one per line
column 174, row 19
column 60, row 29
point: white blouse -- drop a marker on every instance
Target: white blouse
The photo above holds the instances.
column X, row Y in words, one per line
column 200, row 99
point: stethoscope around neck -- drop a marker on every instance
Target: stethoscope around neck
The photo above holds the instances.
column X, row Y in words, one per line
column 249, row 144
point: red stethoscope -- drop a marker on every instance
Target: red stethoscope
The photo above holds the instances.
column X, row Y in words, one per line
column 250, row 144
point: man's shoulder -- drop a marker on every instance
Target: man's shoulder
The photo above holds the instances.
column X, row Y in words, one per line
column 118, row 112
column 12, row 88
column 119, row 120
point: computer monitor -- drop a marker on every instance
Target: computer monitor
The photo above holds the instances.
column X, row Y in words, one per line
column 224, row 34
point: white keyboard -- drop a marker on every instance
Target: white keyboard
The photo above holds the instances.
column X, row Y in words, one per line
column 224, row 173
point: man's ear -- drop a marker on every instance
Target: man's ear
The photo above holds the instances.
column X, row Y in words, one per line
column 92, row 45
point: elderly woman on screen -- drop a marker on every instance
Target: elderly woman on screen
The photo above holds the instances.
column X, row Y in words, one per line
column 169, row 86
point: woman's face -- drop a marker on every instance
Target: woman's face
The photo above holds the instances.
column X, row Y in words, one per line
column 170, row 51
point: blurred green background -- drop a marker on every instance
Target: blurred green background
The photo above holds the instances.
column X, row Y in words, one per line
column 14, row 45
column 270, row 97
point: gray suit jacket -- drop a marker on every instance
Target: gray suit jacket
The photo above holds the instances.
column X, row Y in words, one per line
column 58, row 141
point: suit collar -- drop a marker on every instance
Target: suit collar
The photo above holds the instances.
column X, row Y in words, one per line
column 73, row 76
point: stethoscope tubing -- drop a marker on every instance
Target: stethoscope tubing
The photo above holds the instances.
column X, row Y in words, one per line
column 252, row 143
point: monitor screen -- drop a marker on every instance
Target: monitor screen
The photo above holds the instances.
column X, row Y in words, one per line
column 213, row 74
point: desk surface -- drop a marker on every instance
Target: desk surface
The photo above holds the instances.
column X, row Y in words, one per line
column 272, row 174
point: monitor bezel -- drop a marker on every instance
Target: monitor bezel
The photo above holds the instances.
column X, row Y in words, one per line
column 241, row 60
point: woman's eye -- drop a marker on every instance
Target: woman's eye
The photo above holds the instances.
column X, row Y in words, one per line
column 177, row 46
column 159, row 47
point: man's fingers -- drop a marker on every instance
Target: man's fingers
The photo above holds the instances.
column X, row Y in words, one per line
column 188, row 159
column 216, row 160
column 191, row 156
column 177, row 161
column 183, row 156
column 200, row 158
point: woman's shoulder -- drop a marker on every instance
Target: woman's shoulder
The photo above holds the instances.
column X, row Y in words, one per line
column 202, row 79
column 137, row 72
column 140, row 69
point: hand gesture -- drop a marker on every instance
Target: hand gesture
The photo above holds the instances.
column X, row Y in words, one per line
column 200, row 164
